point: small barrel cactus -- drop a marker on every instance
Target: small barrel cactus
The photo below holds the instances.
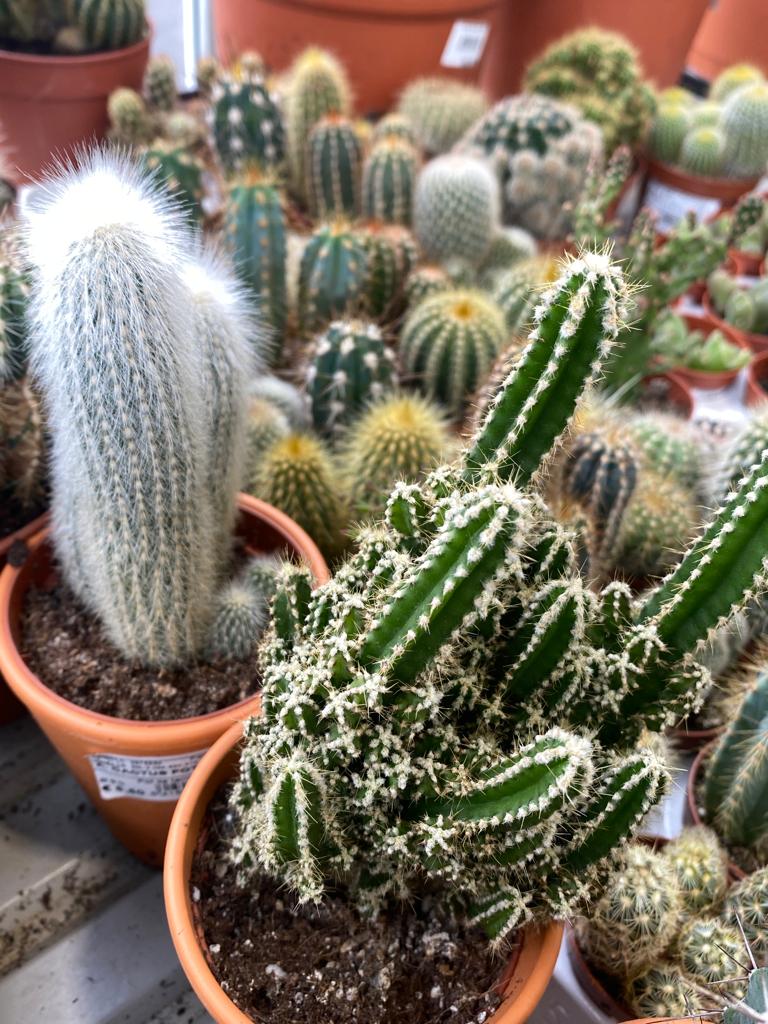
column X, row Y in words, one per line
column 423, row 281
column 389, row 180
column 662, row 991
column 669, row 128
column 130, row 121
column 747, row 905
column 289, row 399
column 260, row 575
column 440, row 111
column 395, row 126
column 703, row 151
column 456, row 210
column 332, row 276
column 160, row 84
column 180, row 172
column 238, row 621
column 733, row 78
column 669, row 447
column 246, row 123
column 508, row 247
column 516, row 291
column 745, row 127
column 207, row 72
column 267, row 424
column 448, row 344
column 701, row 868
column 392, row 252
column 657, row 525
column 333, row 168
column 108, row 24
column 710, row 951
column 706, row 114
column 349, row 367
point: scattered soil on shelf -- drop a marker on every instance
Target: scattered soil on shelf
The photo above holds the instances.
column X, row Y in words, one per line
column 325, row 964
column 65, row 646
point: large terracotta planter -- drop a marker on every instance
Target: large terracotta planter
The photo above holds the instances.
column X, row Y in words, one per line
column 526, row 28
column 50, row 105
column 382, row 43
column 727, row 35
column 154, row 759
column 670, row 193
column 524, row 980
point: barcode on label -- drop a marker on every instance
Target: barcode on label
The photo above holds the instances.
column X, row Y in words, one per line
column 155, row 779
column 465, row 44
column 672, row 204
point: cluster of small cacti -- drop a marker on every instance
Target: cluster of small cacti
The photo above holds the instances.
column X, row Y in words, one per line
column 745, row 308
column 675, row 345
column 75, row 27
column 439, row 111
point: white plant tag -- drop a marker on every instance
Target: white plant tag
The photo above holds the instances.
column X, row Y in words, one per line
column 156, row 779
column 672, row 204
column 465, row 45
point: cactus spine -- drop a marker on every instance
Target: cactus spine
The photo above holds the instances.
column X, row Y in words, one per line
column 181, row 173
column 246, row 123
column 333, row 168
column 389, row 179
column 108, row 24
column 160, row 84
column 332, row 275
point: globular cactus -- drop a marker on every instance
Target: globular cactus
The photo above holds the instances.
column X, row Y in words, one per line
column 255, row 229
column 508, row 246
column 160, row 84
column 246, row 123
column 700, row 865
column 448, row 344
column 130, row 121
column 107, row 24
column 291, row 401
column 333, row 168
column 663, row 991
column 516, row 291
column 706, row 114
column 669, row 447
column 637, row 916
column 456, row 209
column 392, row 253
column 180, row 172
column 267, row 424
column 710, row 952
column 401, row 437
column 350, row 366
column 260, row 575
column 183, row 129
column 423, row 281
column 656, row 527
column 747, row 905
column 298, row 476
column 733, row 78
column 739, row 454
column 239, row 618
column 440, row 111
column 703, row 151
column 207, row 72
column 736, row 789
column 146, row 432
column 669, row 128
column 395, row 126
column 745, row 127
column 317, row 87
column 389, row 180
column 332, row 276
column 676, row 95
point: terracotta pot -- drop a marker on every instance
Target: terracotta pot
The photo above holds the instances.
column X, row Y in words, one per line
column 757, row 343
column 664, row 1020
column 677, row 391
column 670, row 193
column 524, row 980
column 526, row 28
column 590, row 984
column 697, row 769
column 87, row 740
column 727, row 36
column 50, row 105
column 744, row 264
column 757, row 393
column 382, row 43
column 706, row 380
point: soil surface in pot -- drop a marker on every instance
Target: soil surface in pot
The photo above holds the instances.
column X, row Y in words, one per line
column 65, row 646
column 327, row 966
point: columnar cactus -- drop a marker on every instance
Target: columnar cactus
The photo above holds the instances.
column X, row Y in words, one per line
column 255, row 229
column 745, row 127
column 349, row 367
column 141, row 426
column 391, row 254
column 333, row 275
column 108, row 24
column 737, row 775
column 448, row 344
column 456, row 209
column 130, row 121
column 160, row 84
column 333, row 168
column 246, row 123
column 703, row 152
column 389, row 179
column 180, row 172
column 440, row 111
column 423, row 281
column 700, row 865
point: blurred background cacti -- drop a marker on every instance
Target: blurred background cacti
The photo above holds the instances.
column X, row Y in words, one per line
column 332, row 276
column 246, row 122
column 333, row 168
column 77, row 26
column 439, row 111
column 389, row 180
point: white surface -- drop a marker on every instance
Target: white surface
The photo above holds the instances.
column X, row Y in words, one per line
column 564, row 1002
column 465, row 44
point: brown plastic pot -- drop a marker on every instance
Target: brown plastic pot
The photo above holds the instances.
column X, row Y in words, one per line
column 728, row 34
column 757, row 343
column 696, row 771
column 523, row 982
column 526, row 28
column 757, row 393
column 590, row 984
column 51, row 105
column 382, row 43
column 677, row 394
column 664, row 1020
column 744, row 264
column 91, row 742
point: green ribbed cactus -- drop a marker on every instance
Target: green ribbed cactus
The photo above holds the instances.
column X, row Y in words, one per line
column 395, row 126
column 456, row 210
column 333, row 168
column 160, row 84
column 657, row 524
column 753, row 1008
column 255, row 229
column 516, row 292
column 747, row 904
column 14, row 295
column 333, row 275
column 591, row 225
column 663, row 991
column 389, row 179
column 739, row 455
column 669, row 447
column 267, row 424
column 317, row 87
column 350, row 366
column 440, row 110
column 669, row 128
column 423, row 281
column 260, row 575
column 392, row 253
column 448, row 344
column 239, row 618
column 508, row 247
column 180, row 172
column 130, row 121
column 298, row 476
column 147, row 431
column 736, row 790
column 246, row 123
column 710, row 951
column 703, row 152
column 401, row 437
column 733, row 78
column 705, row 114
column 107, row 24
column 745, row 127
column 636, row 918
column 700, row 865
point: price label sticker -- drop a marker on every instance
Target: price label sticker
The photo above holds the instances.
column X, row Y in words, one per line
column 466, row 44
column 672, row 204
column 156, row 779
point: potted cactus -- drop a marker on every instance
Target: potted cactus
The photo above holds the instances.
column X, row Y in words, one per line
column 58, row 64
column 394, row 755
column 141, row 348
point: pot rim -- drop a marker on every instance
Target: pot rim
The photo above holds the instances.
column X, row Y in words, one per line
column 672, row 377
column 24, row 533
column 74, row 60
column 537, row 952
column 389, row 10
column 724, row 190
column 33, row 692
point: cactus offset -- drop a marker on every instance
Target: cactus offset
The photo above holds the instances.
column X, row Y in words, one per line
column 240, row 616
column 389, row 179
column 160, row 84
column 332, row 276
column 333, row 168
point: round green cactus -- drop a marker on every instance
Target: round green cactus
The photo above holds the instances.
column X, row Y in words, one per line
column 130, row 121
column 333, row 275
column 516, row 292
column 108, row 24
column 710, row 951
column 702, row 152
column 333, row 168
column 238, row 622
column 391, row 255
column 706, row 114
column 508, row 246
column 440, row 110
column 180, row 172
column 668, row 129
column 662, row 991
column 389, row 180
column 246, row 123
column 160, row 84
column 658, row 523
column 395, row 126
column 745, row 127
column 733, row 78
column 747, row 904
column 14, row 293
column 448, row 345
column 701, row 868
column 669, row 447
column 207, row 72
column 260, row 575
column 423, row 281
column 267, row 424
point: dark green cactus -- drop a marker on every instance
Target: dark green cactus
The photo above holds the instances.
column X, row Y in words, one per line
column 332, row 276
column 107, row 24
column 392, row 252
column 246, row 123
column 389, row 179
column 333, row 168
column 180, row 172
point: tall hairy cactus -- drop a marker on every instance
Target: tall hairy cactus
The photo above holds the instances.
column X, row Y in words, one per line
column 333, row 168
column 138, row 375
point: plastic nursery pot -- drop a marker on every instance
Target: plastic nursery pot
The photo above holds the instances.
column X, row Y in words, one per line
column 758, row 343
column 50, row 105
column 670, row 193
column 672, row 390
column 590, row 984
column 693, row 739
column 694, row 775
column 132, row 771
column 523, row 982
column 382, row 43
column 757, row 380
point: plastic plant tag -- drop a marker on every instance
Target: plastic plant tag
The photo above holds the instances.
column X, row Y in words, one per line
column 465, row 45
column 156, row 779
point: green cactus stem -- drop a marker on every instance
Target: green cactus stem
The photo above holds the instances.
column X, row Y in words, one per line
column 389, row 180
column 332, row 276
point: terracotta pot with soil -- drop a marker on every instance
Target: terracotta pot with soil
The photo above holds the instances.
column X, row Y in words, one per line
column 670, row 193
column 428, row 37
column 192, row 906
column 132, row 770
